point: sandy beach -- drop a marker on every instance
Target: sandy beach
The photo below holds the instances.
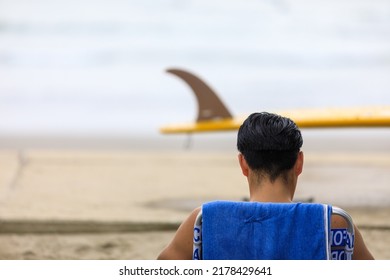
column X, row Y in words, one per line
column 124, row 246
column 126, row 203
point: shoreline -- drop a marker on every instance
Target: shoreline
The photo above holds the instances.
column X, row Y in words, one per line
column 337, row 139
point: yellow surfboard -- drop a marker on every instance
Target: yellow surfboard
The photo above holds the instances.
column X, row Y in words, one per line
column 214, row 116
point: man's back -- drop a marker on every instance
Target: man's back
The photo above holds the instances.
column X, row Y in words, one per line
column 271, row 160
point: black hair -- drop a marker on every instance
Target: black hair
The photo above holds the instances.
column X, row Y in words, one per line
column 269, row 143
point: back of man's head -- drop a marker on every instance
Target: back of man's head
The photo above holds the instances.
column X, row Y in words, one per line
column 269, row 143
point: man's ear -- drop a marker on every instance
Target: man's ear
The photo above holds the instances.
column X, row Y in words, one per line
column 299, row 164
column 243, row 165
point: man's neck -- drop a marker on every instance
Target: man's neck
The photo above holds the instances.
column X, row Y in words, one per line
column 272, row 191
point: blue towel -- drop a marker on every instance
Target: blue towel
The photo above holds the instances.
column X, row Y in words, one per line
column 254, row 230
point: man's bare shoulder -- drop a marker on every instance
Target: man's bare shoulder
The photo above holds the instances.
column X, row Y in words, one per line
column 360, row 251
column 180, row 247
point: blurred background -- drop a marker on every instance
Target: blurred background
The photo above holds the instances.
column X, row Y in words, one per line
column 83, row 92
column 96, row 69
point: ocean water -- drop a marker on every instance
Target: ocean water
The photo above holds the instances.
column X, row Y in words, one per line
column 82, row 68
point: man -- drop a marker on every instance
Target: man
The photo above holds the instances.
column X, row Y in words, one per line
column 271, row 160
